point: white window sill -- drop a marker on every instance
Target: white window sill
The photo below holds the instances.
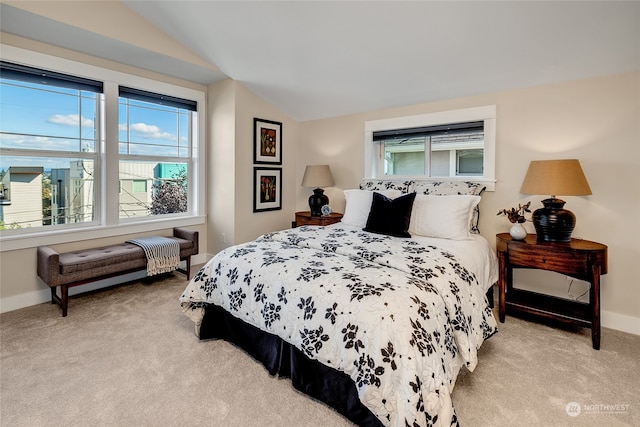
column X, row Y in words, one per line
column 15, row 242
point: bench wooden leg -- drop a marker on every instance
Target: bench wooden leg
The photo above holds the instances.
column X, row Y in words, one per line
column 62, row 300
column 187, row 271
column 65, row 299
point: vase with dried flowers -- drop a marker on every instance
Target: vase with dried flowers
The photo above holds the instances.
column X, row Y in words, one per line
column 517, row 217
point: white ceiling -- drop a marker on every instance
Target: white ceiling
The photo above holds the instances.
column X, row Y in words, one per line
column 317, row 59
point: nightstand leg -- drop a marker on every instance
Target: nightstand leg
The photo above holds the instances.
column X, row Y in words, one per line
column 502, row 273
column 594, row 300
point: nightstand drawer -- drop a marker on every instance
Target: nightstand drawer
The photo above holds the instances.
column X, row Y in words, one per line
column 305, row 218
column 544, row 258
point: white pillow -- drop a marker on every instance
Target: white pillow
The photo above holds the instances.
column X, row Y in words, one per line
column 445, row 217
column 358, row 205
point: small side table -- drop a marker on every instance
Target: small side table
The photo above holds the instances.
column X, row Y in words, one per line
column 305, row 218
column 581, row 259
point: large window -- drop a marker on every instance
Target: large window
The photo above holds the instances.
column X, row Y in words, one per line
column 154, row 145
column 49, row 127
column 456, row 145
column 78, row 152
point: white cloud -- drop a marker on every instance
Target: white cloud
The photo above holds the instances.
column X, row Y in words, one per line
column 70, row 120
column 148, row 131
column 38, row 142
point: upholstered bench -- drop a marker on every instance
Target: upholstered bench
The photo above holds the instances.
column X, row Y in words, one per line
column 69, row 269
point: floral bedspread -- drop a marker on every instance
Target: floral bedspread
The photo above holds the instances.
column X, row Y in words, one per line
column 400, row 318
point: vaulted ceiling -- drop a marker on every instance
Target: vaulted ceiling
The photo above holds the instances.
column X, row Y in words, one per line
column 317, row 59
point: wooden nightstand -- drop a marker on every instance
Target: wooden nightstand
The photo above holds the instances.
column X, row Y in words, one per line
column 581, row 259
column 305, row 218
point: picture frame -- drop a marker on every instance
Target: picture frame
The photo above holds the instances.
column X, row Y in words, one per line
column 267, row 142
column 267, row 189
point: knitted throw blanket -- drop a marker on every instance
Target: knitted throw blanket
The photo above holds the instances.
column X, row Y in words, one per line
column 163, row 254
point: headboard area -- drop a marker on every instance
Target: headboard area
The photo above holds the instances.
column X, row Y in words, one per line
column 430, row 187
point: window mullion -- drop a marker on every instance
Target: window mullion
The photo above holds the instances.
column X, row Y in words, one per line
column 453, row 163
column 193, row 186
column 427, row 156
column 47, row 153
column 79, row 100
column 110, row 171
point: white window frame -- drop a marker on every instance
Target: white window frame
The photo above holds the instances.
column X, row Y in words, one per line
column 107, row 222
column 373, row 162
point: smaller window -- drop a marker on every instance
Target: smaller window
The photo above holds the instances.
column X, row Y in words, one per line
column 434, row 151
column 457, row 144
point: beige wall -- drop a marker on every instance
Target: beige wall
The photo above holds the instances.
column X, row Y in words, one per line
column 230, row 201
column 595, row 120
column 221, row 165
column 249, row 225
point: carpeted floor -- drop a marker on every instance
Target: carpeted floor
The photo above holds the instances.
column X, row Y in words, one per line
column 128, row 356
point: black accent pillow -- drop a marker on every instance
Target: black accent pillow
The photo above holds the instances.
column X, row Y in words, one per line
column 390, row 216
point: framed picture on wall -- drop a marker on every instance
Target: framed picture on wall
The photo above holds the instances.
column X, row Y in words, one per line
column 267, row 141
column 267, row 189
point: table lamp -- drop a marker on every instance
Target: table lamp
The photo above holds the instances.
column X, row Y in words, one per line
column 317, row 176
column 556, row 177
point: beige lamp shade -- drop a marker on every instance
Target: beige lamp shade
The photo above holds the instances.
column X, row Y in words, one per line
column 555, row 177
column 564, row 177
column 317, row 176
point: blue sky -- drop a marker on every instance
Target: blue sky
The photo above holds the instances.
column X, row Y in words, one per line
column 58, row 119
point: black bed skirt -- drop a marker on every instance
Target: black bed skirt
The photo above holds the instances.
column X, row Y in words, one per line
column 309, row 376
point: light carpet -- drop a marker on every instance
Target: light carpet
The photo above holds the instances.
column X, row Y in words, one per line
column 127, row 356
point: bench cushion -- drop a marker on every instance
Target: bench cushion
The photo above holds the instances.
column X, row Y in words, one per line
column 107, row 259
column 96, row 258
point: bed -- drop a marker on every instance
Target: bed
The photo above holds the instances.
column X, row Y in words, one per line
column 375, row 319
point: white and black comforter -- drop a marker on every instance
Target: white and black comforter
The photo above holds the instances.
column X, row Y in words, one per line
column 396, row 315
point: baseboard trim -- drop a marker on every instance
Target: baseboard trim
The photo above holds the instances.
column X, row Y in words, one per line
column 24, row 300
column 620, row 322
column 28, row 299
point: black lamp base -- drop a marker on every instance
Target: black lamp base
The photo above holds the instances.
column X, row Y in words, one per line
column 316, row 201
column 552, row 222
